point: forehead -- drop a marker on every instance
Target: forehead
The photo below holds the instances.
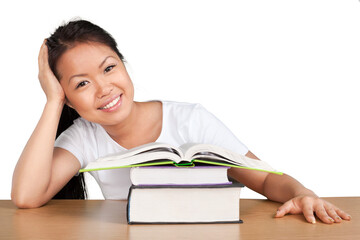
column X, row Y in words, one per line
column 83, row 56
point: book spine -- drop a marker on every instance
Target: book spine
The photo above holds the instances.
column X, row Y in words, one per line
column 175, row 185
column 215, row 222
column 227, row 185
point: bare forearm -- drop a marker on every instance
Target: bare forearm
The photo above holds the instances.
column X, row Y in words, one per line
column 281, row 188
column 296, row 198
column 33, row 170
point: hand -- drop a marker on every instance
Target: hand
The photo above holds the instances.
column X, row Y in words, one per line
column 48, row 81
column 308, row 205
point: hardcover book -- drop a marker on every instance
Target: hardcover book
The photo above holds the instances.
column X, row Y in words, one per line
column 171, row 175
column 184, row 204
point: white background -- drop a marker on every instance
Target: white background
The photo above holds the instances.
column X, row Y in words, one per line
column 282, row 75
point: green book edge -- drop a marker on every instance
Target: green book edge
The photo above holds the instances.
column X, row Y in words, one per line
column 190, row 164
column 230, row 165
column 128, row 166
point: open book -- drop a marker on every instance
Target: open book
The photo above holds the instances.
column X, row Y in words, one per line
column 189, row 154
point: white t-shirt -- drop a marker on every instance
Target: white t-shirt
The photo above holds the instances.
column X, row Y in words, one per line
column 182, row 123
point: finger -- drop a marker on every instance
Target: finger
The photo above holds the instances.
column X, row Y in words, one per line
column 343, row 214
column 42, row 48
column 332, row 213
column 44, row 68
column 308, row 213
column 43, row 53
column 322, row 214
column 284, row 209
column 41, row 57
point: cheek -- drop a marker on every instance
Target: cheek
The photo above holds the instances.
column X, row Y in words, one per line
column 79, row 102
column 130, row 87
column 127, row 83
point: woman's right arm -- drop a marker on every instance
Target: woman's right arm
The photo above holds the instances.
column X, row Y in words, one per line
column 43, row 170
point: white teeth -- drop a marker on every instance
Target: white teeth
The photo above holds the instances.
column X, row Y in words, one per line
column 112, row 103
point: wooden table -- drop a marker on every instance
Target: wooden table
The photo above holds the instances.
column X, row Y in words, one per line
column 105, row 219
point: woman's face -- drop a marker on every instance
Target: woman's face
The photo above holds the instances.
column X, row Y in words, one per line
column 96, row 83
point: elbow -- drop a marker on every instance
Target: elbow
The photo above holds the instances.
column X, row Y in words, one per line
column 22, row 201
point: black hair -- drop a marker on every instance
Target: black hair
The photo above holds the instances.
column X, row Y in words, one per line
column 64, row 38
column 71, row 33
column 76, row 187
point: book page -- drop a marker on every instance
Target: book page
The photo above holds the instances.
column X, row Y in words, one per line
column 143, row 149
column 114, row 162
column 220, row 154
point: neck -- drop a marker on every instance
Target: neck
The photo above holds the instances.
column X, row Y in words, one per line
column 137, row 129
column 128, row 127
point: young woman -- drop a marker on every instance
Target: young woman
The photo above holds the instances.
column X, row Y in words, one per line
column 90, row 112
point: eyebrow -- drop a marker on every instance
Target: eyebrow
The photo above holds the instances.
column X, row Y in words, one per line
column 85, row 74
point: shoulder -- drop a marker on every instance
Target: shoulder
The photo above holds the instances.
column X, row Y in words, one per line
column 81, row 128
column 84, row 125
column 180, row 104
column 185, row 112
column 190, row 111
column 191, row 115
column 182, row 107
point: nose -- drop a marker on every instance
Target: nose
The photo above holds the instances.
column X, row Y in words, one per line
column 103, row 88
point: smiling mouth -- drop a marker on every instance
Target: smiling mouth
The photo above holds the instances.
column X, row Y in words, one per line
column 111, row 104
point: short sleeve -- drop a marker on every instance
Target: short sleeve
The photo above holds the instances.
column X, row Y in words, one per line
column 72, row 140
column 204, row 127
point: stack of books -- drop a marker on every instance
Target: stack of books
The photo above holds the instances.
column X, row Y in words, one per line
column 188, row 184
column 200, row 194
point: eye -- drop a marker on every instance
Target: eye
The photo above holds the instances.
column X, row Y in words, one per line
column 82, row 84
column 109, row 68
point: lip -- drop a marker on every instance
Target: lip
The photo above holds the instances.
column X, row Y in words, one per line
column 113, row 108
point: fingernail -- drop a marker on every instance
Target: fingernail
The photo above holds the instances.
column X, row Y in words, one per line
column 332, row 220
column 313, row 221
column 349, row 217
column 338, row 218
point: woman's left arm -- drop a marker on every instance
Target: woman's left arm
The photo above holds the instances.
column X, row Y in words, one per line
column 296, row 198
